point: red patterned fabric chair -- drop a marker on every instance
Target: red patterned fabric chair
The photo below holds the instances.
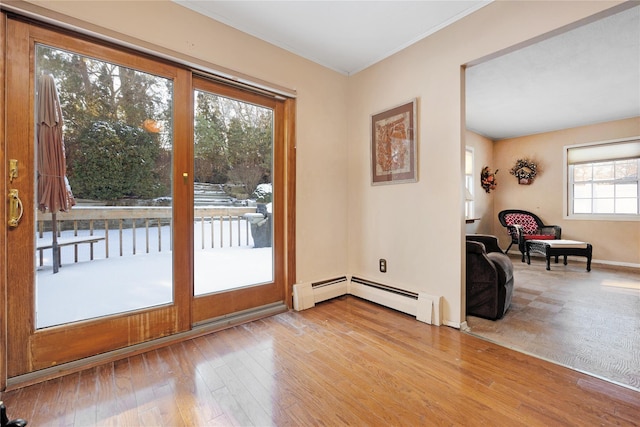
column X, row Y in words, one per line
column 522, row 225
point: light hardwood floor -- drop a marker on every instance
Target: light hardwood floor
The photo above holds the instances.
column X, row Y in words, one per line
column 589, row 321
column 344, row 362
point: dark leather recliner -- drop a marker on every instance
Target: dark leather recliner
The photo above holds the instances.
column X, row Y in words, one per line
column 489, row 277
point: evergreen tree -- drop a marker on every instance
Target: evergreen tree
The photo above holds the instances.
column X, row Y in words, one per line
column 115, row 161
column 118, row 125
column 210, row 146
column 105, row 108
column 250, row 144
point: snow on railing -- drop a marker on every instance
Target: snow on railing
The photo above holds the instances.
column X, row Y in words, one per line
column 128, row 225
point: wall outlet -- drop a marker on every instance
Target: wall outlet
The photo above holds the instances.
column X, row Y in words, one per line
column 383, row 265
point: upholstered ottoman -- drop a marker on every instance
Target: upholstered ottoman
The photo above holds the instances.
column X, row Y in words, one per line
column 558, row 248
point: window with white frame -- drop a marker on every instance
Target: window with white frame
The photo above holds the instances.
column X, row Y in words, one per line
column 604, row 180
column 468, row 183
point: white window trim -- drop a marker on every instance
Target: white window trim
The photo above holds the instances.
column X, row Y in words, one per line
column 567, row 215
column 472, row 190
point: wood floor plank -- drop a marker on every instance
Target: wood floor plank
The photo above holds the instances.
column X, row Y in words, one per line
column 317, row 392
column 64, row 408
column 126, row 402
column 159, row 375
column 86, row 399
column 150, row 417
column 370, row 386
column 191, row 394
column 368, row 380
column 258, row 381
column 204, row 409
column 22, row 401
column 344, row 362
column 142, row 387
column 106, row 396
column 46, row 405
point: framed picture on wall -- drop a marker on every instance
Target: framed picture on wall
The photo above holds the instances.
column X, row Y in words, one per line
column 393, row 145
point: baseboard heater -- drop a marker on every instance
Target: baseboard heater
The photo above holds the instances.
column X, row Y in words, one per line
column 426, row 308
column 306, row 295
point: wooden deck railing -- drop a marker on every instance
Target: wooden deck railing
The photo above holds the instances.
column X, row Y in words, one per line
column 216, row 226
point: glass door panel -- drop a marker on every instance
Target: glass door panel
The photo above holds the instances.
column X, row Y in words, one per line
column 233, row 234
column 238, row 233
column 118, row 142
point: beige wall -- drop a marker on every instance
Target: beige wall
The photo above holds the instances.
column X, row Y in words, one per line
column 345, row 224
column 321, row 116
column 616, row 242
column 419, row 227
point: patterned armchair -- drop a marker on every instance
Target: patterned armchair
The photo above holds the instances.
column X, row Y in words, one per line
column 523, row 225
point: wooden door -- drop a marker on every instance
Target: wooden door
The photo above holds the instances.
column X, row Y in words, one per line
column 264, row 156
column 30, row 346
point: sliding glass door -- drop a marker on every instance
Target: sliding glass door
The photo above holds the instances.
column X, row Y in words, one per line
column 143, row 200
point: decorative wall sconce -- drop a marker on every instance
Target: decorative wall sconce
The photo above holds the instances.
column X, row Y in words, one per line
column 525, row 170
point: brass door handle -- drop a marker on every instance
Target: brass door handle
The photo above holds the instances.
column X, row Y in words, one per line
column 15, row 208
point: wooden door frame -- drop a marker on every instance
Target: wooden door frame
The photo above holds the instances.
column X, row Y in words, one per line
column 3, row 208
column 290, row 194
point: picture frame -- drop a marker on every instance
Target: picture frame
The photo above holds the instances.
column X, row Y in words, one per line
column 394, row 145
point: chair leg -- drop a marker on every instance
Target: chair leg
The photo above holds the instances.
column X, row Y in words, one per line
column 510, row 244
column 522, row 248
column 4, row 419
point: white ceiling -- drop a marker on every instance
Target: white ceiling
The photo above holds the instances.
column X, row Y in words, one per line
column 587, row 75
column 346, row 36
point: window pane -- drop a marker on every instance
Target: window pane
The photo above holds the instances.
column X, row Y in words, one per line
column 582, row 173
column 627, row 169
column 582, row 191
column 627, row 206
column 603, row 171
column 582, row 206
column 118, row 148
column 627, row 190
column 469, row 204
column 233, row 152
column 468, row 162
column 602, row 190
column 602, row 206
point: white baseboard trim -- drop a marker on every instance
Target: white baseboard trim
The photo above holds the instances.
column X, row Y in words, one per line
column 614, row 263
column 426, row 308
column 583, row 260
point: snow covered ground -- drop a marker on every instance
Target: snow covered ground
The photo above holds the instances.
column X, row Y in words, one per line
column 104, row 286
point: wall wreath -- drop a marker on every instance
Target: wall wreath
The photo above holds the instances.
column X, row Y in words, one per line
column 488, row 179
column 525, row 170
